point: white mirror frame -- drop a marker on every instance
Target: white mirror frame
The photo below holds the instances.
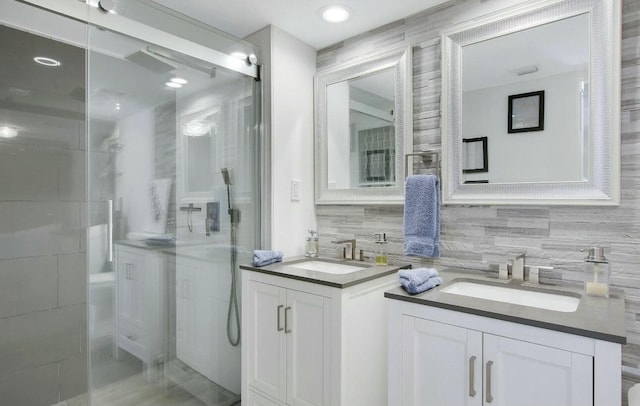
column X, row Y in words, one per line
column 603, row 185
column 401, row 60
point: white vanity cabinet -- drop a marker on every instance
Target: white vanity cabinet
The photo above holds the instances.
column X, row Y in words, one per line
column 140, row 302
column 445, row 364
column 444, row 357
column 288, row 335
column 313, row 345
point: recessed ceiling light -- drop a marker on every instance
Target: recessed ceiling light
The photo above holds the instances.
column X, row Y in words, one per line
column 335, row 13
column 179, row 81
column 8, row 132
column 173, row 85
column 42, row 60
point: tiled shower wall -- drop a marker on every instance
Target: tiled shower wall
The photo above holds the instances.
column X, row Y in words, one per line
column 43, row 355
column 475, row 237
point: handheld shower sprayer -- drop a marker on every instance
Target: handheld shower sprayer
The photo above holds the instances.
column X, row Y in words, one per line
column 234, row 213
column 234, row 340
column 225, row 176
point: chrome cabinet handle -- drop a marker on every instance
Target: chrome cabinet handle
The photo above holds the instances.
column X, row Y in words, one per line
column 488, row 397
column 278, row 326
column 286, row 320
column 472, row 376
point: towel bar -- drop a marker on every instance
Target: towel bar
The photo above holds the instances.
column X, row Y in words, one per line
column 630, row 370
column 433, row 153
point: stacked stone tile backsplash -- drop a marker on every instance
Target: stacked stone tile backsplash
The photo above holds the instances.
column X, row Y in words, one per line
column 475, row 237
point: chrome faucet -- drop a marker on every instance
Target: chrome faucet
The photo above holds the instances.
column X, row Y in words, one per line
column 352, row 244
column 517, row 267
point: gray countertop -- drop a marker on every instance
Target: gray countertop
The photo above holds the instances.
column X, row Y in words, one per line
column 140, row 244
column 595, row 317
column 201, row 250
column 288, row 269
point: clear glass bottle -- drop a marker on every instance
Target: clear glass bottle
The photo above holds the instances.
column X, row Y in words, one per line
column 311, row 246
column 597, row 272
column 381, row 255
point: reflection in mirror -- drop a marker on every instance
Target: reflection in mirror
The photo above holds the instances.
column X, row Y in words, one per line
column 363, row 129
column 198, row 132
column 512, row 74
column 361, row 132
column 541, row 82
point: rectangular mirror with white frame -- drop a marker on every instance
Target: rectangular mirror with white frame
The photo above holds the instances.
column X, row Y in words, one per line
column 363, row 129
column 541, row 83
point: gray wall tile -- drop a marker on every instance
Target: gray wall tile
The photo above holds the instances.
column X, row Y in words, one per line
column 40, row 338
column 73, row 377
column 28, row 285
column 71, row 175
column 72, row 282
column 43, row 228
column 33, row 387
column 30, row 173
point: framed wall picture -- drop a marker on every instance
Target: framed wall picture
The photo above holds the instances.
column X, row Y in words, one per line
column 526, row 112
column 475, row 155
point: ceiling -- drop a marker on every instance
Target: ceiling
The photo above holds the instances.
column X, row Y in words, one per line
column 299, row 18
column 553, row 49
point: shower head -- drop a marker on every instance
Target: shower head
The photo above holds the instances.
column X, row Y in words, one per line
column 225, row 176
column 150, row 61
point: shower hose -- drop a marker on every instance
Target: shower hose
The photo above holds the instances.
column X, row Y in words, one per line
column 233, row 296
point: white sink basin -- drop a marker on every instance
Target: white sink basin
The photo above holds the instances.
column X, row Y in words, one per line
column 328, row 267
column 542, row 300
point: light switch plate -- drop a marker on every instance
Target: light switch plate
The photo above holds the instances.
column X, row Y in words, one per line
column 295, row 190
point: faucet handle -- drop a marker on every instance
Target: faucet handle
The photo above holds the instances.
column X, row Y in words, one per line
column 380, row 237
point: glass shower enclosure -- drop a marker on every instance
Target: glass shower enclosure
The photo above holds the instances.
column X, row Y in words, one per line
column 129, row 193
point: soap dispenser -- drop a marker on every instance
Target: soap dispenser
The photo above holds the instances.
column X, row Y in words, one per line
column 596, row 273
column 311, row 246
column 381, row 256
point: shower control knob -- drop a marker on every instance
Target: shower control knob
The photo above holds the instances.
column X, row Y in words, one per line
column 107, row 5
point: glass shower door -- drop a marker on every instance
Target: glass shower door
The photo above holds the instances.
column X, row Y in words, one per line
column 166, row 227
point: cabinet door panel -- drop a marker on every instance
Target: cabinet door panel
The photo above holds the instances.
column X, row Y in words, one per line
column 266, row 362
column 186, row 317
column 438, row 368
column 308, row 348
column 255, row 399
column 130, row 288
column 526, row 374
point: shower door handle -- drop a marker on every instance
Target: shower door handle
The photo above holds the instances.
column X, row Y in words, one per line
column 110, row 231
